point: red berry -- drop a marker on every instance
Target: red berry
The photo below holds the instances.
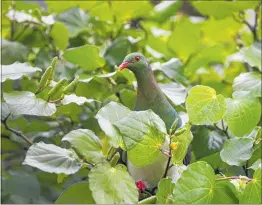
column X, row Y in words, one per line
column 141, row 186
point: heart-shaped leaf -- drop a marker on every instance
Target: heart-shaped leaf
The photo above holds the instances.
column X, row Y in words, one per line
column 242, row 115
column 237, row 151
column 114, row 184
column 204, row 106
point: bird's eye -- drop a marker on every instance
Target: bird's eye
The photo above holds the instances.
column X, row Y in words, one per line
column 137, row 58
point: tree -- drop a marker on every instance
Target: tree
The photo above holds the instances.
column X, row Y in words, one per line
column 66, row 108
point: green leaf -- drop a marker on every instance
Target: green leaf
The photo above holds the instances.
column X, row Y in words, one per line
column 143, row 133
column 52, row 159
column 78, row 193
column 12, row 52
column 164, row 10
column 207, row 142
column 204, row 57
column 256, row 165
column 250, row 82
column 107, row 117
column 204, row 106
column 252, row 192
column 140, row 128
column 252, row 55
column 86, row 56
column 60, row 41
column 86, row 143
column 242, row 115
column 237, row 151
column 114, row 184
column 181, row 141
column 185, row 33
column 224, row 193
column 18, row 70
column 175, row 92
column 116, row 52
column 22, row 184
column 164, row 193
column 26, row 103
column 209, row 8
column 196, row 185
column 75, row 20
column 123, row 11
column 57, row 6
column 174, row 70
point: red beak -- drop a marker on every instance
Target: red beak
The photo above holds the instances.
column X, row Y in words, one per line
column 123, row 65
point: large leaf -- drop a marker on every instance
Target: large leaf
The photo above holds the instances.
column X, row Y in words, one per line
column 227, row 8
column 164, row 193
column 207, row 142
column 22, row 184
column 175, row 92
column 249, row 82
column 181, row 142
column 252, row 55
column 116, row 52
column 204, row 106
column 252, row 192
column 237, row 151
column 174, row 70
column 195, row 185
column 224, row 193
column 60, row 41
column 112, row 185
column 86, row 143
column 26, row 103
column 78, row 193
column 164, row 10
column 18, row 70
column 12, row 52
column 74, row 19
column 185, row 33
column 86, row 56
column 143, row 133
column 140, row 125
column 242, row 115
column 52, row 159
column 59, row 6
column 107, row 116
column 203, row 58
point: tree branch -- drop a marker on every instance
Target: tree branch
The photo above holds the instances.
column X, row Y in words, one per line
column 18, row 133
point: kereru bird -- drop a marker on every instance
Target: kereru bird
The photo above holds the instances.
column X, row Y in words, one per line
column 149, row 96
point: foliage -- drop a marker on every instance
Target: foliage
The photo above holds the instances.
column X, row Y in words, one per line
column 67, row 109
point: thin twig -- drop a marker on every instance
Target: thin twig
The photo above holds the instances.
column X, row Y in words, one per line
column 20, row 134
column 235, row 177
column 169, row 159
column 223, row 129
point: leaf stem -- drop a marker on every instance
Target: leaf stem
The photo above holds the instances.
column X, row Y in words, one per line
column 18, row 133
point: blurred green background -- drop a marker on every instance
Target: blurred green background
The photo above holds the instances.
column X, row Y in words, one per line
column 189, row 42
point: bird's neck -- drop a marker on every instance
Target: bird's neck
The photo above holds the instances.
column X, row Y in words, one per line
column 147, row 85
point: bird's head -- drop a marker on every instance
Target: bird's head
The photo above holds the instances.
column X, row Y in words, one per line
column 135, row 62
